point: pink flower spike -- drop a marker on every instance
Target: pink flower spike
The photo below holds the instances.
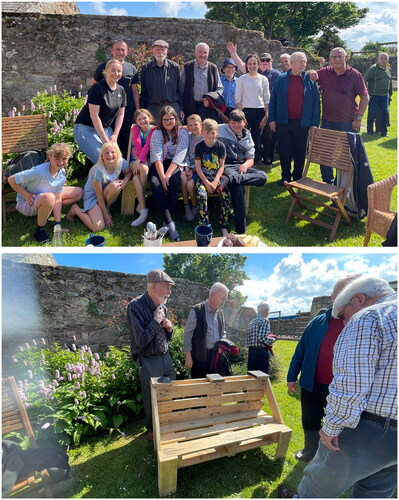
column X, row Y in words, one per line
column 81, row 86
column 123, row 434
column 23, row 107
column 55, row 88
column 46, row 425
column 34, row 342
column 20, row 348
column 14, row 109
column 30, row 374
column 27, row 345
column 14, row 359
column 43, row 341
column 69, row 377
column 57, row 373
column 73, row 347
column 76, row 401
column 73, row 336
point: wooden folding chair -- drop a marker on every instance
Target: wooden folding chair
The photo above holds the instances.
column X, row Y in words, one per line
column 329, row 148
column 20, row 133
column 379, row 215
column 15, row 418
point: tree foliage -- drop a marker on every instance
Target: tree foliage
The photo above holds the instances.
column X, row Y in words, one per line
column 326, row 42
column 207, row 268
column 297, row 21
column 374, row 47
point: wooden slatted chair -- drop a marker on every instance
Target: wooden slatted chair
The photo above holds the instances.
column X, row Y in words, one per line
column 20, row 133
column 329, row 148
column 15, row 418
column 379, row 215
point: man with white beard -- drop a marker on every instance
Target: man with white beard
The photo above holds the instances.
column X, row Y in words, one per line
column 160, row 82
column 150, row 334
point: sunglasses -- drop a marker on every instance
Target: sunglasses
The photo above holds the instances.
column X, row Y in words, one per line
column 265, row 60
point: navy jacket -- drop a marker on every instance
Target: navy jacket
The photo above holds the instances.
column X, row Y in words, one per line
column 306, row 353
column 278, row 105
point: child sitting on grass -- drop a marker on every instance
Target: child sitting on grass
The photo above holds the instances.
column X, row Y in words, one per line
column 210, row 155
column 141, row 138
column 40, row 190
column 102, row 188
column 188, row 175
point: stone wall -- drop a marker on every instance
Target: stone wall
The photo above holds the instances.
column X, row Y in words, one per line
column 41, row 7
column 42, row 50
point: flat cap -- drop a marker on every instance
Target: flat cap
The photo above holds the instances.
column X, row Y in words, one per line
column 160, row 43
column 265, row 55
column 158, row 276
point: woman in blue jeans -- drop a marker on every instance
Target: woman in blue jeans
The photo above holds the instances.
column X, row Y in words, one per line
column 105, row 106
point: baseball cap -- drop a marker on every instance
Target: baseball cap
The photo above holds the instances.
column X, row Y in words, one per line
column 158, row 276
column 265, row 55
column 160, row 43
column 229, row 61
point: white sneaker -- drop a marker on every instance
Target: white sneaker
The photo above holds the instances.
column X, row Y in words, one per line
column 189, row 215
column 142, row 218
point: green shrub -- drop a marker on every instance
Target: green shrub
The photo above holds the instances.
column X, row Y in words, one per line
column 72, row 392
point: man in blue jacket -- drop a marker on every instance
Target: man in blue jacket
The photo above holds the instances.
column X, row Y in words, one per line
column 313, row 358
column 294, row 107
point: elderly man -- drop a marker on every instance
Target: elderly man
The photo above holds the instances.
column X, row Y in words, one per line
column 378, row 79
column 294, row 107
column 257, row 340
column 358, row 441
column 204, row 327
column 285, row 64
column 129, row 81
column 150, row 334
column 160, row 82
column 340, row 86
column 238, row 171
column 200, row 77
column 313, row 359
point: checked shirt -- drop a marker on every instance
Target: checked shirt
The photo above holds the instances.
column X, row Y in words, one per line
column 257, row 332
column 364, row 367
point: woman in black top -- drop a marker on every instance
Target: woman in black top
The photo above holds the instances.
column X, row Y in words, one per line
column 105, row 106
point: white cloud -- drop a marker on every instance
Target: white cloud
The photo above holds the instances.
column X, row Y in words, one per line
column 170, row 9
column 293, row 283
column 99, row 7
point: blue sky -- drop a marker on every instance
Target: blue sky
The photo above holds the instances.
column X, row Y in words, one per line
column 287, row 281
column 379, row 25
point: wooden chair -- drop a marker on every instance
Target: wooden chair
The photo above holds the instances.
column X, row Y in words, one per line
column 379, row 215
column 15, row 418
column 329, row 148
column 21, row 133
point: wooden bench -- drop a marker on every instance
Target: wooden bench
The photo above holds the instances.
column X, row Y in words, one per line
column 202, row 419
column 20, row 133
column 15, row 418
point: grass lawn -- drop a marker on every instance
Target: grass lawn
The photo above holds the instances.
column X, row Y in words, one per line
column 267, row 210
column 126, row 467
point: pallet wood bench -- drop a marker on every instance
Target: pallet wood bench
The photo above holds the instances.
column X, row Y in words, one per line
column 202, row 419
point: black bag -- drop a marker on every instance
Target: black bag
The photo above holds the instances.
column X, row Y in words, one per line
column 25, row 161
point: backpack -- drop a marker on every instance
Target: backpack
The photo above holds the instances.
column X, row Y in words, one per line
column 25, row 161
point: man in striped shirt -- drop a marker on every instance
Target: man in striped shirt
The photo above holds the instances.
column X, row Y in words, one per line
column 257, row 340
column 358, row 441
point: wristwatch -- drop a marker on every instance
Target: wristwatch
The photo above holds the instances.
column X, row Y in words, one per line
column 359, row 117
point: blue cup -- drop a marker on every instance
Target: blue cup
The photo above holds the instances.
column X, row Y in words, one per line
column 95, row 241
column 203, row 235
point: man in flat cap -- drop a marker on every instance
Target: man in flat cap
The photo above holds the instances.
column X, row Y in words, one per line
column 150, row 334
column 160, row 82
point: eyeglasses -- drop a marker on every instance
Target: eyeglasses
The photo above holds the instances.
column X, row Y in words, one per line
column 341, row 316
column 165, row 120
column 265, row 60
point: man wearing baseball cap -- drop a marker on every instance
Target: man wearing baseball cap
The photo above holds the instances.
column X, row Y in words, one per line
column 160, row 81
column 150, row 334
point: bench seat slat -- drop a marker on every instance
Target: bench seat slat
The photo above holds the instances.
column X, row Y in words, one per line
column 210, row 427
column 171, row 451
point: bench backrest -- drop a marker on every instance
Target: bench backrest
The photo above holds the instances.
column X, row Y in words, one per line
column 22, row 133
column 185, row 400
column 329, row 148
column 13, row 413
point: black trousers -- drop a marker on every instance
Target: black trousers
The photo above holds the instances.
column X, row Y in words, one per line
column 258, row 359
column 292, row 142
column 165, row 200
column 201, row 368
column 206, row 112
column 313, row 404
column 254, row 117
column 252, row 177
column 268, row 143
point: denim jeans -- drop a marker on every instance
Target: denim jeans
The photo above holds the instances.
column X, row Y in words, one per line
column 88, row 140
column 367, row 460
column 378, row 103
column 327, row 173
